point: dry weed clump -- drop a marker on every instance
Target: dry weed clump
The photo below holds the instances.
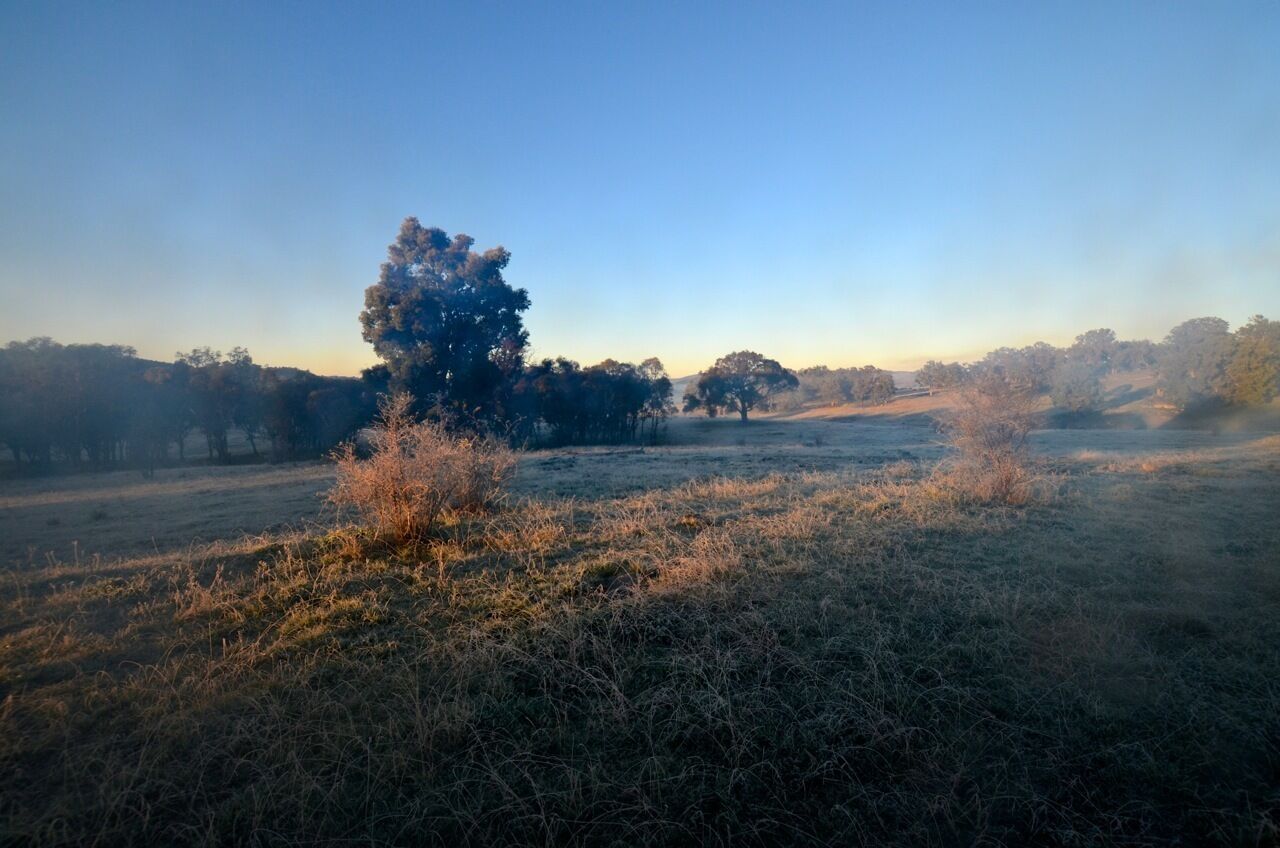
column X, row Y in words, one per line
column 711, row 554
column 417, row 473
column 989, row 430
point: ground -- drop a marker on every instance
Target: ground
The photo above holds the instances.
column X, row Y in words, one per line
column 788, row 632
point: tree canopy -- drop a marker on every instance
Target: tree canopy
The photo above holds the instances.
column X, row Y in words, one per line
column 935, row 375
column 605, row 403
column 1253, row 374
column 102, row 405
column 1028, row 369
column 835, row 386
column 1193, row 362
column 445, row 322
column 739, row 382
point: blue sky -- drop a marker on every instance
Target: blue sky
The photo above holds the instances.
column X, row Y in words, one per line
column 840, row 183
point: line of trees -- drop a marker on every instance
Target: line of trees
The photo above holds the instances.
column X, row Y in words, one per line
column 608, row 403
column 1199, row 364
column 101, row 406
column 450, row 333
column 836, row 386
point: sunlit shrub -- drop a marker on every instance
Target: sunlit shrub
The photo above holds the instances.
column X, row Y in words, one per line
column 989, row 429
column 417, row 473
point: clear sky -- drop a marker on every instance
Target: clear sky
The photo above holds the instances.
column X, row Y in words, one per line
column 843, row 184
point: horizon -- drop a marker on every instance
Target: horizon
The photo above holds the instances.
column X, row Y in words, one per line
column 844, row 187
column 535, row 355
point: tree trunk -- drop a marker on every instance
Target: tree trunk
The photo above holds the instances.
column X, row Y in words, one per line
column 742, row 410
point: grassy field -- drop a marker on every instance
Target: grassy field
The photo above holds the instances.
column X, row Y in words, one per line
column 789, row 632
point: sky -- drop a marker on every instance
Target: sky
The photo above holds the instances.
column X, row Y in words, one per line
column 844, row 184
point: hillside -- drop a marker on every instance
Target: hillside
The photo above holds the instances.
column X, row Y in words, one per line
column 1130, row 404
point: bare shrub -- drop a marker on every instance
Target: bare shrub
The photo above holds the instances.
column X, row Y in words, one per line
column 417, row 473
column 989, row 430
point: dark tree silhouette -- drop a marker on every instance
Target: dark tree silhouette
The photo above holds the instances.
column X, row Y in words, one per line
column 102, row 406
column 214, row 394
column 657, row 404
column 609, row 402
column 445, row 322
column 739, row 382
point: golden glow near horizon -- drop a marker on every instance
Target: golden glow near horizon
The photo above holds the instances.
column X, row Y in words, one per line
column 864, row 204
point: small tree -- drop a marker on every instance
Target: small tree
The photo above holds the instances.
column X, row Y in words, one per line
column 989, row 429
column 214, row 393
column 871, row 385
column 657, row 404
column 739, row 382
column 1075, row 387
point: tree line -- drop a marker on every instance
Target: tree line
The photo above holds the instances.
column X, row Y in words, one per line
column 835, row 386
column 611, row 402
column 100, row 405
column 449, row 332
column 1199, row 364
column 442, row 319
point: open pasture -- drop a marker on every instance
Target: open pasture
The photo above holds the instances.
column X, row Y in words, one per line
column 788, row 631
column 121, row 514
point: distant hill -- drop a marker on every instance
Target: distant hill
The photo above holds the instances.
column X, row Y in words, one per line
column 679, row 384
column 1130, row 404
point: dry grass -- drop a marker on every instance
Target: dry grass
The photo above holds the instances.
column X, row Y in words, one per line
column 840, row 657
column 989, row 428
column 417, row 473
column 54, row 515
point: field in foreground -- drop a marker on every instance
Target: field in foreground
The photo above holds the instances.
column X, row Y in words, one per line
column 788, row 633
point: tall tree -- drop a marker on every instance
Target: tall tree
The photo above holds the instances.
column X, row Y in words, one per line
column 1096, row 348
column 739, row 382
column 657, row 404
column 445, row 322
column 1253, row 374
column 1193, row 362
column 213, row 391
